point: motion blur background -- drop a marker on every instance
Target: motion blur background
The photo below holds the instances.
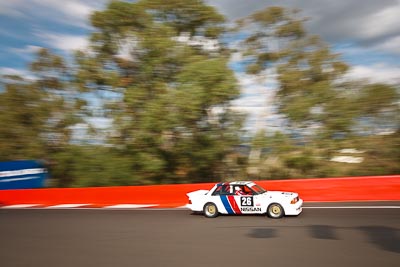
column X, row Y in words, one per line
column 181, row 91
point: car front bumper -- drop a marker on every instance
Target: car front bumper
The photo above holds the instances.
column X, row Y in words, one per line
column 294, row 209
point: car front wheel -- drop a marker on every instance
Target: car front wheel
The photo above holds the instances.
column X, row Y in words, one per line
column 210, row 210
column 275, row 211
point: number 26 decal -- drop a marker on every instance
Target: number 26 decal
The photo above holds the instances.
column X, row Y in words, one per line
column 246, row 201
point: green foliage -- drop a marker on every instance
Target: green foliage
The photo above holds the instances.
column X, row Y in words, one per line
column 172, row 121
column 191, row 16
column 310, row 91
column 269, row 16
column 167, row 120
column 260, row 140
column 37, row 115
column 377, row 97
column 379, row 154
column 304, row 162
column 22, row 114
column 102, row 166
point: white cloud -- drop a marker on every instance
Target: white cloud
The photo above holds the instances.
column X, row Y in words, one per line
column 26, row 49
column 11, row 71
column 263, row 83
column 376, row 73
column 381, row 23
column 391, row 45
column 71, row 8
column 25, row 52
column 65, row 42
column 250, row 102
column 8, row 8
column 71, row 12
column 257, row 100
column 207, row 44
column 18, row 72
column 236, row 57
column 365, row 22
column 100, row 122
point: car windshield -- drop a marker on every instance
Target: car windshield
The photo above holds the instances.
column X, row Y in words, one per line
column 258, row 189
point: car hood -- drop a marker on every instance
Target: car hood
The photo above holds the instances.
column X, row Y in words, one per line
column 280, row 194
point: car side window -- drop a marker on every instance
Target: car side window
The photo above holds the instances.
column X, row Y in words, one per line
column 247, row 190
column 223, row 190
column 217, row 191
column 226, row 190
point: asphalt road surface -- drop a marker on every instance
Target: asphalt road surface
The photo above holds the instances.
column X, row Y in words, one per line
column 318, row 237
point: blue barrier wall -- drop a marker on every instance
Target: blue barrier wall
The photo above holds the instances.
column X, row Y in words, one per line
column 22, row 174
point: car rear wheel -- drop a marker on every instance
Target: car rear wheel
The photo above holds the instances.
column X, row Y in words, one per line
column 275, row 211
column 210, row 210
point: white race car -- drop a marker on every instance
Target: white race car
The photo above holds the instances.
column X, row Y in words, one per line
column 244, row 198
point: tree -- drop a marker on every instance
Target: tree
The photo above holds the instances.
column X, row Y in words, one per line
column 173, row 116
column 38, row 114
column 379, row 107
column 307, row 70
column 22, row 114
column 312, row 94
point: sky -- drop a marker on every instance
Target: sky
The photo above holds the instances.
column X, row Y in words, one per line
column 365, row 32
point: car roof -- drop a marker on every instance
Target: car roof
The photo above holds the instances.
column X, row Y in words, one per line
column 237, row 183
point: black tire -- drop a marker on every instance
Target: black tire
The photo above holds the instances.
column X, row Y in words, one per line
column 275, row 211
column 210, row 210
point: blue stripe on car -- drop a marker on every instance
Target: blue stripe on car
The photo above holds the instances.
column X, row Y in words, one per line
column 227, row 206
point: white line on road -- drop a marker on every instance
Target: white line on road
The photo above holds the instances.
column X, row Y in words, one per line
column 19, row 206
column 66, row 206
column 130, row 206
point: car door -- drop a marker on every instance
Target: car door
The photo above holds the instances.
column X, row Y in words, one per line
column 230, row 204
column 248, row 202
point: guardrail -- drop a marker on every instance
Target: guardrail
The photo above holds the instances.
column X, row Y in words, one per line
column 373, row 188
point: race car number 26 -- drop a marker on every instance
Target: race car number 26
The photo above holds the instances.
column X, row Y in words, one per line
column 246, row 201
